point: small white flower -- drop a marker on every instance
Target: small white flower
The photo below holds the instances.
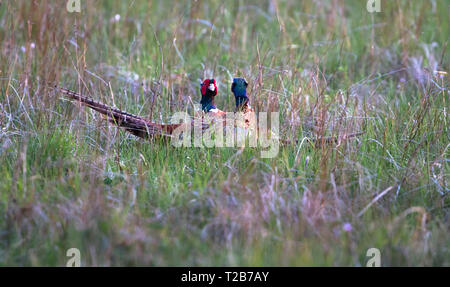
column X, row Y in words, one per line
column 32, row 45
column 117, row 18
column 23, row 49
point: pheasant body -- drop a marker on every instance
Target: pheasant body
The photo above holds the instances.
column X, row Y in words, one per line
column 239, row 89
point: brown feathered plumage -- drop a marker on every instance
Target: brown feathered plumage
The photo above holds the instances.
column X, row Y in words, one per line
column 134, row 124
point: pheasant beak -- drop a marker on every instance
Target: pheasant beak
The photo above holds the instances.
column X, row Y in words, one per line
column 211, row 87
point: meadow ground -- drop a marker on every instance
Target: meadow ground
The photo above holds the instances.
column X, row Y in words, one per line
column 70, row 180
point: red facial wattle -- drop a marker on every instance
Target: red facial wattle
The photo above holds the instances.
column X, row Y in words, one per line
column 205, row 86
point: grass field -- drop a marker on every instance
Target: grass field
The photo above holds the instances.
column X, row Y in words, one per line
column 68, row 179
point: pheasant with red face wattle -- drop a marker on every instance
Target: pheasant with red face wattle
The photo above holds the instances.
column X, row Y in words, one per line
column 140, row 126
column 209, row 91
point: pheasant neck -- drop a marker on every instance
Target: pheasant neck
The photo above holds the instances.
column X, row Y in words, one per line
column 241, row 99
column 207, row 103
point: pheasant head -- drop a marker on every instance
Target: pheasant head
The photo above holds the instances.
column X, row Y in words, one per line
column 209, row 90
column 239, row 89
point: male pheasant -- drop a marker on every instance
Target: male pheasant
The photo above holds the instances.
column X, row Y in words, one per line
column 239, row 89
column 140, row 126
column 209, row 91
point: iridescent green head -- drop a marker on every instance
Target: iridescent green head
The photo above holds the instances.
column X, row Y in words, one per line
column 239, row 89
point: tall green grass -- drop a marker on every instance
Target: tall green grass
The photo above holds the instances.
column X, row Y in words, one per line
column 68, row 179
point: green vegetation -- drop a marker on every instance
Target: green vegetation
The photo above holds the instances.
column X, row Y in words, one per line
column 69, row 179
